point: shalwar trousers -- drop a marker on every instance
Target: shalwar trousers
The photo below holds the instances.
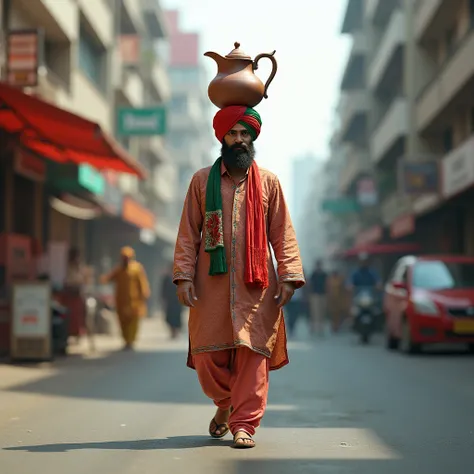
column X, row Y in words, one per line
column 236, row 378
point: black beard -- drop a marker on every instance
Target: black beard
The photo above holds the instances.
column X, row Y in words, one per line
column 239, row 156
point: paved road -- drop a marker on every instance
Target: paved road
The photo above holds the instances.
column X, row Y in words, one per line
column 338, row 408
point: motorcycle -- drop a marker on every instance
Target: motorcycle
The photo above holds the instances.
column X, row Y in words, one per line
column 365, row 312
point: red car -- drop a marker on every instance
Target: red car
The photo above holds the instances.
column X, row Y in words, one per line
column 430, row 300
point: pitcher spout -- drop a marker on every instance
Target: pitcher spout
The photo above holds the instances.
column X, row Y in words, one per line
column 217, row 58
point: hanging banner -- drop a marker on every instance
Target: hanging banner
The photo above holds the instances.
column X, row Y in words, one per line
column 24, row 57
column 418, row 178
column 129, row 49
column 367, row 192
column 458, row 169
column 28, row 165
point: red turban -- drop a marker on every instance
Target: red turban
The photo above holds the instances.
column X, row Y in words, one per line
column 228, row 117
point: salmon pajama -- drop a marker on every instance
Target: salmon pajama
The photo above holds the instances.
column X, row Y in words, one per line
column 237, row 378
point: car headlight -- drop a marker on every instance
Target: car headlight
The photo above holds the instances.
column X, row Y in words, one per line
column 425, row 306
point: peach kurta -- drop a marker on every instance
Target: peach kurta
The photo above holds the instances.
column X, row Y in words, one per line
column 229, row 313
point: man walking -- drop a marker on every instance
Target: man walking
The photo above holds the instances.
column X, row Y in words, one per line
column 131, row 293
column 317, row 298
column 232, row 214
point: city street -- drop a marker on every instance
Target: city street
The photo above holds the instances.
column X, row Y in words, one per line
column 337, row 408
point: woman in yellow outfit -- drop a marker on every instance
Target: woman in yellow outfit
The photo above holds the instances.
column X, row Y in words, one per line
column 337, row 299
column 131, row 293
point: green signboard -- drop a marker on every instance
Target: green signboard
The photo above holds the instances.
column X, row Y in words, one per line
column 340, row 206
column 91, row 179
column 141, row 122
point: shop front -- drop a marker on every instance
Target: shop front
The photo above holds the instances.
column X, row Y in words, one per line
column 33, row 131
column 458, row 192
column 22, row 176
column 72, row 201
column 445, row 221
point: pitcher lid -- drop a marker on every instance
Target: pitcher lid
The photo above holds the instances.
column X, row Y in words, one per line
column 237, row 53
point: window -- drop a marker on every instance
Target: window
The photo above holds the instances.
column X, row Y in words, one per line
column 438, row 275
column 471, row 12
column 92, row 59
column 448, row 140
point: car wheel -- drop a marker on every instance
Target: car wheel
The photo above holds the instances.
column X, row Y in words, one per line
column 407, row 346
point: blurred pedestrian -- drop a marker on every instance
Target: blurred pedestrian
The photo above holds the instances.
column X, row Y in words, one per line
column 73, row 296
column 317, row 299
column 76, row 274
column 131, row 293
column 223, row 268
column 337, row 299
column 171, row 304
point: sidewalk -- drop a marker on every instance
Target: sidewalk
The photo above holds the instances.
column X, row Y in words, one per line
column 153, row 333
column 17, row 404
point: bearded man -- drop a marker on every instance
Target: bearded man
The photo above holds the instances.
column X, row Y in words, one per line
column 224, row 272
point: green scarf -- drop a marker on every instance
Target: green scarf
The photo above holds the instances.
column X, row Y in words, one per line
column 213, row 225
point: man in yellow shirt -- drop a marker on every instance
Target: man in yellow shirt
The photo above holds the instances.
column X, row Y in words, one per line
column 131, row 293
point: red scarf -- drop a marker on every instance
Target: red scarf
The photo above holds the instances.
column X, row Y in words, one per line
column 256, row 263
column 256, row 243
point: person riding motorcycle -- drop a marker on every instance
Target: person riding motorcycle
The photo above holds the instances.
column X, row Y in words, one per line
column 364, row 276
column 362, row 279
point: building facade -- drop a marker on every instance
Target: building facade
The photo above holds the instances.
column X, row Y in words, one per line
column 407, row 118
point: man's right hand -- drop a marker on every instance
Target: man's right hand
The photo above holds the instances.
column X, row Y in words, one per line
column 186, row 293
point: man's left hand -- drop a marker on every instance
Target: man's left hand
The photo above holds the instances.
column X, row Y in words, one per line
column 286, row 290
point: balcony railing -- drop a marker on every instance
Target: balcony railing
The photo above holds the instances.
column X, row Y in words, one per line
column 393, row 126
column 424, row 15
column 447, row 81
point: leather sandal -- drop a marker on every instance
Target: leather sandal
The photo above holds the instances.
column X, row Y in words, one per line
column 223, row 428
column 243, row 442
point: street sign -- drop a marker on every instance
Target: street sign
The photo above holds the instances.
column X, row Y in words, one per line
column 141, row 122
column 340, row 206
column 91, row 179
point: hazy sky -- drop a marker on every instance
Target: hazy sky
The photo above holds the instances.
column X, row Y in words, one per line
column 311, row 54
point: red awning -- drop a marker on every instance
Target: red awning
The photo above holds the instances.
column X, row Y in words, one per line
column 380, row 249
column 61, row 136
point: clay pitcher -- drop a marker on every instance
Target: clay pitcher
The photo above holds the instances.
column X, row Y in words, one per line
column 236, row 82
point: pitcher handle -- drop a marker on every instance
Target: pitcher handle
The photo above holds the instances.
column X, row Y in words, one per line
column 274, row 69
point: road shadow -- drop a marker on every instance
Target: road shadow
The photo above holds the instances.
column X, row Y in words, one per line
column 174, row 442
column 141, row 377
